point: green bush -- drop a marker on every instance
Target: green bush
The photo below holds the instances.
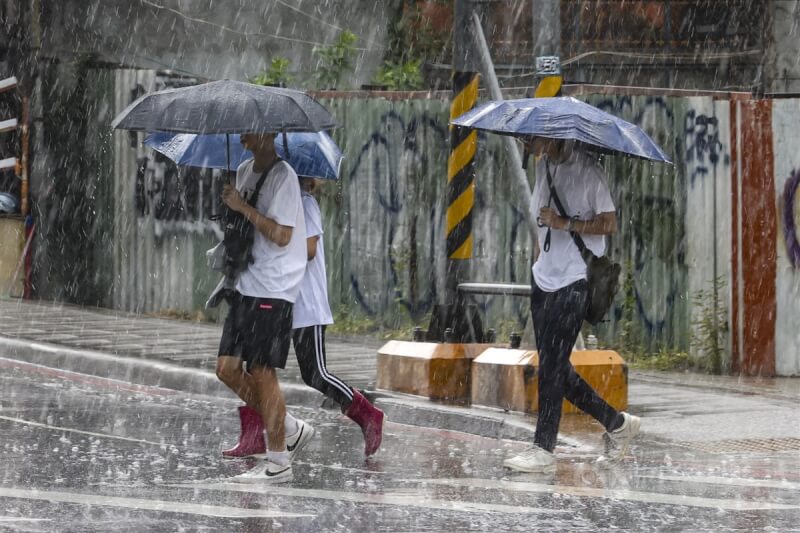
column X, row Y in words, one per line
column 277, row 74
column 335, row 60
column 400, row 76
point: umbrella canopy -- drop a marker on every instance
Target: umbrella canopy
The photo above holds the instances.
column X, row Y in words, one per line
column 225, row 107
column 563, row 118
column 313, row 155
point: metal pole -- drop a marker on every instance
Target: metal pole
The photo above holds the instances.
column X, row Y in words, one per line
column 515, row 161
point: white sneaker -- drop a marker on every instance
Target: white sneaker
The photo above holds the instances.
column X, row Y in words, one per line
column 296, row 442
column 266, row 472
column 617, row 441
column 535, row 460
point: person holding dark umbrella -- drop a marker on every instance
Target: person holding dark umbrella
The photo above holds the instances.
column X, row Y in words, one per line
column 265, row 222
column 258, row 328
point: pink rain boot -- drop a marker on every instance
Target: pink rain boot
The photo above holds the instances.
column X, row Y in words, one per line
column 370, row 418
column 251, row 439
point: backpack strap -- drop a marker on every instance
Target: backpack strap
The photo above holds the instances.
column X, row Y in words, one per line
column 586, row 254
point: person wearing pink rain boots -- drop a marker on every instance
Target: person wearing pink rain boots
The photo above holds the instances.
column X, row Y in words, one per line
column 311, row 315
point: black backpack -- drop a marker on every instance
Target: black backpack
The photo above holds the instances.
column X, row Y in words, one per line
column 240, row 233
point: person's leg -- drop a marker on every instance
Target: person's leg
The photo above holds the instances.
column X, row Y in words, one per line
column 271, row 405
column 231, row 372
column 309, row 346
column 558, row 317
column 584, row 397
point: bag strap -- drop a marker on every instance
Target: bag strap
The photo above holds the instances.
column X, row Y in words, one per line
column 254, row 197
column 586, row 254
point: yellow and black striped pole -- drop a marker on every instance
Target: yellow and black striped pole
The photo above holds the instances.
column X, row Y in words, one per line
column 461, row 169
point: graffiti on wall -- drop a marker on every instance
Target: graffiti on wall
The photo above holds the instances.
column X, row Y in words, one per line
column 790, row 235
column 703, row 147
column 650, row 208
column 175, row 197
column 397, row 162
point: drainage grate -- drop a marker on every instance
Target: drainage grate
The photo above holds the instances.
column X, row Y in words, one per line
column 745, row 445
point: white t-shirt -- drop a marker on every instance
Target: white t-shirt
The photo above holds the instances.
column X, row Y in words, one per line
column 582, row 187
column 276, row 271
column 311, row 307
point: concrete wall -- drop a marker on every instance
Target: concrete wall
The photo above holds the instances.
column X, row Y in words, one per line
column 200, row 37
column 784, row 58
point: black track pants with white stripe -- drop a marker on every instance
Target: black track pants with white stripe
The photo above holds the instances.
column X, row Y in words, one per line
column 309, row 345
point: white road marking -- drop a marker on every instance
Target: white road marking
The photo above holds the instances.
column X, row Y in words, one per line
column 415, row 498
column 147, row 505
column 23, row 519
column 611, row 494
column 339, row 468
column 737, row 482
column 70, row 430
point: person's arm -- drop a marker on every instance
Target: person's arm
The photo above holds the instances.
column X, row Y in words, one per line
column 602, row 224
column 311, row 246
column 280, row 235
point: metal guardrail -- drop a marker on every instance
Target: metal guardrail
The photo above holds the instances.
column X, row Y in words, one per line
column 503, row 289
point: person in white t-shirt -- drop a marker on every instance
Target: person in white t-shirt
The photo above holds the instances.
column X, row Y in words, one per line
column 312, row 314
column 258, row 327
column 560, row 295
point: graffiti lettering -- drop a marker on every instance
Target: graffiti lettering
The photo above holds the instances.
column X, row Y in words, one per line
column 703, row 147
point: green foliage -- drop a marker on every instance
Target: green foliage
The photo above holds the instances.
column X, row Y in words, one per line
column 665, row 360
column 393, row 324
column 335, row 60
column 631, row 345
column 710, row 327
column 276, row 75
column 630, row 338
column 400, row 76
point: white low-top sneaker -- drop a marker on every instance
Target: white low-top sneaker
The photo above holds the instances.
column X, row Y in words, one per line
column 296, row 442
column 266, row 472
column 535, row 460
column 618, row 441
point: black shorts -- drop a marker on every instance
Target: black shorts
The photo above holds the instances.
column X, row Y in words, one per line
column 259, row 330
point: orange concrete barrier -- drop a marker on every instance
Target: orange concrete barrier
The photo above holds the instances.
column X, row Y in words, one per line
column 506, row 378
column 438, row 371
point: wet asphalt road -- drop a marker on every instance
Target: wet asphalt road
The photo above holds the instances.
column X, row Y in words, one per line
column 81, row 453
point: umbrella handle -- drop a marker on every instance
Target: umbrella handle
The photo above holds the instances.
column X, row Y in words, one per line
column 231, row 175
column 285, row 144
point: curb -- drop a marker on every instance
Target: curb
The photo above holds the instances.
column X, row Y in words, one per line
column 402, row 409
column 137, row 371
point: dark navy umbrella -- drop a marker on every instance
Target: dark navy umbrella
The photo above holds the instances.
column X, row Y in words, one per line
column 313, row 155
column 225, row 107
column 563, row 118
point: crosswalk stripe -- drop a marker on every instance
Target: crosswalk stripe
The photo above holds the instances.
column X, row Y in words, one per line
column 415, row 498
column 612, row 494
column 737, row 482
column 180, row 507
column 70, row 430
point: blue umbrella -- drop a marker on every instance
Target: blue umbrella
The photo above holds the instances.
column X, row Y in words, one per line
column 563, row 118
column 313, row 155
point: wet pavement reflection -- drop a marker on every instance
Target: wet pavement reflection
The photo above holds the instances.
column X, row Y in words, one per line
column 84, row 453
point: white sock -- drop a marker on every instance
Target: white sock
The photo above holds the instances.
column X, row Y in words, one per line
column 290, row 425
column 279, row 458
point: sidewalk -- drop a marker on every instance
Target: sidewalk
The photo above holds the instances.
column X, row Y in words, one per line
column 691, row 410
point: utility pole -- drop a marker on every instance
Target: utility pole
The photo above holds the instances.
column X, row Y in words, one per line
column 546, row 46
column 460, row 195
